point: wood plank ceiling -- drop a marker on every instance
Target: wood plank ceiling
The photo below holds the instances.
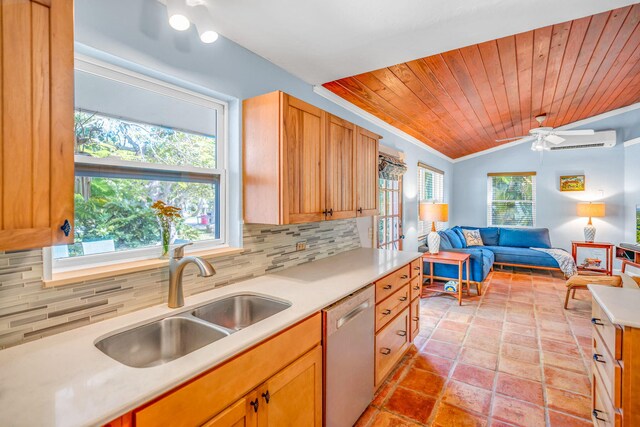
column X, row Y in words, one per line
column 459, row 102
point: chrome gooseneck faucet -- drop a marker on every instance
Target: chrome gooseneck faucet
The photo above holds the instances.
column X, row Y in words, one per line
column 177, row 263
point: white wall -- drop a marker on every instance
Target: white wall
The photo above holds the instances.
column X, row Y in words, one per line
column 631, row 190
column 605, row 181
column 135, row 34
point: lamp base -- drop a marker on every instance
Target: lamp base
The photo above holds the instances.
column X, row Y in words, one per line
column 433, row 241
column 589, row 233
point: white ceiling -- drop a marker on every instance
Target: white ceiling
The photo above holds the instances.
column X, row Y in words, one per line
column 323, row 40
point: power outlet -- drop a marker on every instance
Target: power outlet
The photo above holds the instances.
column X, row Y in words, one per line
column 301, row 246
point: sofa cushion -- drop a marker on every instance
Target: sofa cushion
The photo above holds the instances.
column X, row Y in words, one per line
column 458, row 231
column 525, row 237
column 489, row 234
column 472, row 237
column 444, row 241
column 522, row 256
column 453, row 238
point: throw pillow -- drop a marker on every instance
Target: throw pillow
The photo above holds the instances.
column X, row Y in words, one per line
column 444, row 241
column 473, row 237
column 458, row 231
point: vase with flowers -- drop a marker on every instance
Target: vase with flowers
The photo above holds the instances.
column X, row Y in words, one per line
column 166, row 215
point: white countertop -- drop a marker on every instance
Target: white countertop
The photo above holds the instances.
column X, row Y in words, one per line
column 620, row 304
column 64, row 380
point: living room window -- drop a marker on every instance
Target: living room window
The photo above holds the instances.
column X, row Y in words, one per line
column 163, row 143
column 511, row 199
column 430, row 189
column 390, row 218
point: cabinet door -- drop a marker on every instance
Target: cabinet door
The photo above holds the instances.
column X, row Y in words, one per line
column 340, row 171
column 366, row 172
column 36, row 123
column 243, row 413
column 303, row 187
column 293, row 397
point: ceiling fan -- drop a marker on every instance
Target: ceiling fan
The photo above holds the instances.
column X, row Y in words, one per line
column 544, row 137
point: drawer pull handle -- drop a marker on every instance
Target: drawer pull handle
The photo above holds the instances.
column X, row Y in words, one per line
column 387, row 287
column 403, row 298
column 404, row 276
column 266, row 396
column 402, row 333
column 596, row 357
column 416, row 268
column 416, row 288
column 415, row 319
column 595, row 414
column 254, row 404
column 386, row 312
column 596, row 321
column 385, row 351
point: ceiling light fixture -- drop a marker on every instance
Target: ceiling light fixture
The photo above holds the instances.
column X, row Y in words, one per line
column 177, row 12
column 204, row 24
column 183, row 12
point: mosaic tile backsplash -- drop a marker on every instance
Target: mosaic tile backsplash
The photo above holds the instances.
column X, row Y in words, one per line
column 28, row 311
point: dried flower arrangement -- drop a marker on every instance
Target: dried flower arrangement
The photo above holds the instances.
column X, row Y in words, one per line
column 166, row 215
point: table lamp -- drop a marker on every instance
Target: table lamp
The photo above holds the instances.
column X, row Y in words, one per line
column 590, row 210
column 434, row 212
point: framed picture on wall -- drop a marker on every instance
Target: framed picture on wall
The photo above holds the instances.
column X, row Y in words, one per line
column 572, row 183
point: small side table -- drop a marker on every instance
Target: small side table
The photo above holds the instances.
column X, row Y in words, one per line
column 608, row 247
column 455, row 258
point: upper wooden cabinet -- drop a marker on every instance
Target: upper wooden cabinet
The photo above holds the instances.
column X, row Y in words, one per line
column 366, row 172
column 300, row 163
column 340, row 152
column 36, row 123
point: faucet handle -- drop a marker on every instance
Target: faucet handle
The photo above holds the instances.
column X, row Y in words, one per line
column 178, row 251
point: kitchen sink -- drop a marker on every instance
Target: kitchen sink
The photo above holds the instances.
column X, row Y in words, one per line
column 168, row 339
column 239, row 311
column 159, row 342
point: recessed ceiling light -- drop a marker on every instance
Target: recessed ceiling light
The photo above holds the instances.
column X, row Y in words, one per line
column 177, row 11
column 208, row 36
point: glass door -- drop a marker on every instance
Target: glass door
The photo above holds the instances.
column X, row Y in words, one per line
column 390, row 214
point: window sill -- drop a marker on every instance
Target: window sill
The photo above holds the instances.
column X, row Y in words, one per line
column 94, row 273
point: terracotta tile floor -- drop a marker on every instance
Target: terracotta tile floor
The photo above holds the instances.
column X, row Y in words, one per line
column 513, row 357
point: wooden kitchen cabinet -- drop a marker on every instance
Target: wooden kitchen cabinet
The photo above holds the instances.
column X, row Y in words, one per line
column 340, row 152
column 294, row 396
column 366, row 172
column 300, row 163
column 240, row 414
column 36, row 123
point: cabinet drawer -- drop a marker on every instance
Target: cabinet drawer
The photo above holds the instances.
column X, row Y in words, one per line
column 611, row 334
column 210, row 393
column 391, row 343
column 416, row 268
column 604, row 414
column 414, row 318
column 416, row 287
column 609, row 369
column 389, row 308
column 391, row 283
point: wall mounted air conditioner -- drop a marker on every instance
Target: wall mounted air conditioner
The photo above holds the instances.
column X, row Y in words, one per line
column 604, row 139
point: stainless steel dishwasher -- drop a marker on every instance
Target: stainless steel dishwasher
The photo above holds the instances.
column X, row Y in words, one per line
column 349, row 357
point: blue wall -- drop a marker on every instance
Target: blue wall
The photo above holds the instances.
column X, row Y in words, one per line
column 135, row 34
column 605, row 181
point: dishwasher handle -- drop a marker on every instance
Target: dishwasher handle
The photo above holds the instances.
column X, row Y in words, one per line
column 353, row 313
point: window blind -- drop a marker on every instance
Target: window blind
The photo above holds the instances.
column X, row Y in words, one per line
column 430, row 189
column 511, row 199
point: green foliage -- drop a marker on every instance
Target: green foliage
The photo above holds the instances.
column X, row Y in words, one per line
column 512, row 200
column 120, row 209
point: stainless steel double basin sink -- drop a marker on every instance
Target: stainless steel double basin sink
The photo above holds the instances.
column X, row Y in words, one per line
column 167, row 339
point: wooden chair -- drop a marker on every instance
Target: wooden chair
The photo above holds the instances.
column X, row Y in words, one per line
column 581, row 282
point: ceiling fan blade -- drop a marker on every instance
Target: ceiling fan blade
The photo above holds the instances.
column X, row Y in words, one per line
column 584, row 132
column 554, row 139
column 512, row 138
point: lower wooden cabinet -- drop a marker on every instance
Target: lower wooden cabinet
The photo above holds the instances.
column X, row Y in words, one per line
column 240, row 414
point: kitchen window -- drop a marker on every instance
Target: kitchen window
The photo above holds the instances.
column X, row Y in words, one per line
column 511, row 199
column 138, row 140
column 430, row 189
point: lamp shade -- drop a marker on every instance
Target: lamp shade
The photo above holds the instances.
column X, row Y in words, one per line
column 434, row 212
column 591, row 209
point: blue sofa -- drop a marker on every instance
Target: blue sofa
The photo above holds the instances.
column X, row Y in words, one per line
column 502, row 246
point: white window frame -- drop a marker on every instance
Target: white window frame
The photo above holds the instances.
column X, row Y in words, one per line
column 425, row 226
column 490, row 200
column 122, row 75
